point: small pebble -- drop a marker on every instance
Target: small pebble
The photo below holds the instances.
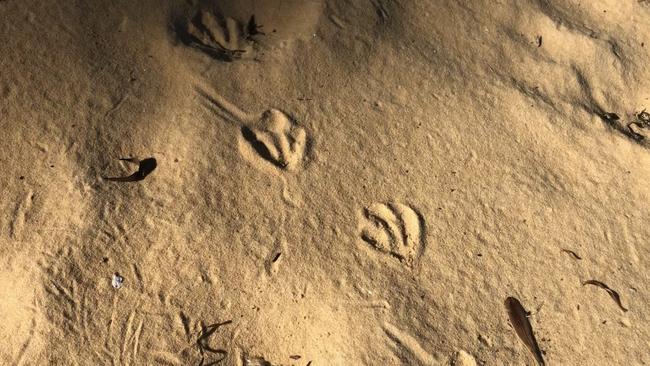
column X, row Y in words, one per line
column 117, row 281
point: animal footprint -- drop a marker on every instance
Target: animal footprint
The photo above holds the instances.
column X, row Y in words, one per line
column 405, row 341
column 222, row 38
column 395, row 229
column 277, row 139
column 271, row 136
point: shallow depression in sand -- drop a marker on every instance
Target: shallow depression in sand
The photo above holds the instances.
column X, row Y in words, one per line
column 18, row 310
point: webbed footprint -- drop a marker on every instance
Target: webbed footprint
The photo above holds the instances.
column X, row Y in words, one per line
column 277, row 139
column 271, row 138
column 394, row 229
column 220, row 37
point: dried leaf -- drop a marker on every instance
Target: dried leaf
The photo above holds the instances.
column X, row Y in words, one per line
column 145, row 167
column 573, row 254
column 610, row 117
column 613, row 294
column 519, row 320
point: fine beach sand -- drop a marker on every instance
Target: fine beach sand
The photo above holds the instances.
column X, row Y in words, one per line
column 336, row 182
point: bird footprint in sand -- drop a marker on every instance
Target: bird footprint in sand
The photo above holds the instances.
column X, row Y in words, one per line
column 222, row 38
column 277, row 139
column 271, row 135
column 395, row 229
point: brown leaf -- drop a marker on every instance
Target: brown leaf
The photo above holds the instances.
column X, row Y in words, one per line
column 519, row 320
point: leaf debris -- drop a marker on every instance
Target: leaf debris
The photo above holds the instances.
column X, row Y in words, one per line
column 613, row 294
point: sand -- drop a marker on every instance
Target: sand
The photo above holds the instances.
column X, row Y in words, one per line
column 336, row 182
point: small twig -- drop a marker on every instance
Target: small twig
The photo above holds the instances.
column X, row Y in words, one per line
column 252, row 28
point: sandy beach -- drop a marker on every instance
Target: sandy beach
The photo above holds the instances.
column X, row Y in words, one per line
column 325, row 182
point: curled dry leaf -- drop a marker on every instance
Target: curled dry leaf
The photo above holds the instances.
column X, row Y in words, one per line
column 572, row 253
column 613, row 294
